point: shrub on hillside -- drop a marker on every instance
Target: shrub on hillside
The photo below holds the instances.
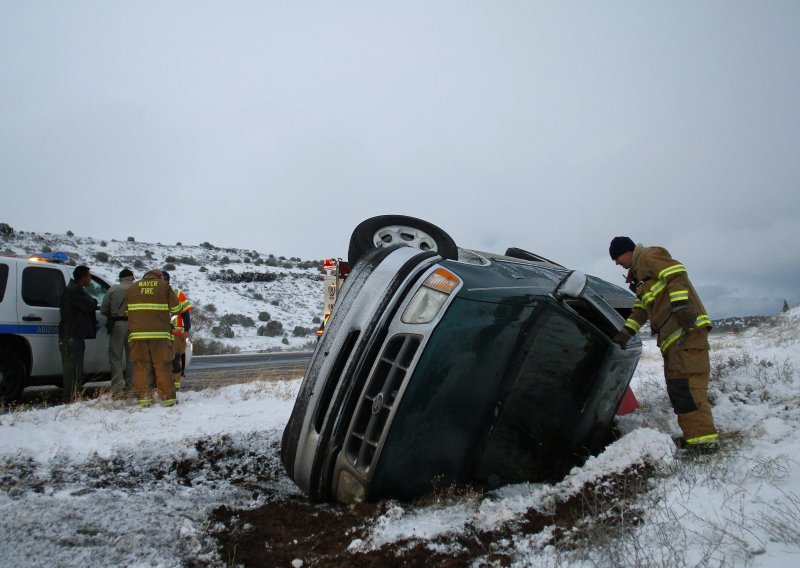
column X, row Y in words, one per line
column 203, row 346
column 222, row 330
column 237, row 319
column 300, row 331
column 101, row 256
column 230, row 275
column 264, row 316
column 272, row 329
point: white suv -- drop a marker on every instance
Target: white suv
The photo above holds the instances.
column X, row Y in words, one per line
column 30, row 296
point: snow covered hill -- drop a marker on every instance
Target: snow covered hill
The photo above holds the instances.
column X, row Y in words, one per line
column 234, row 292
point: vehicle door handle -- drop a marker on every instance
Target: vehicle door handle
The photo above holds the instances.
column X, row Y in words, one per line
column 31, row 318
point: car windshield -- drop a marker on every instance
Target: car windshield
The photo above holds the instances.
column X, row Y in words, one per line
column 551, row 382
column 97, row 289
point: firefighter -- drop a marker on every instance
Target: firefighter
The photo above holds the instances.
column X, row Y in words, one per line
column 150, row 303
column 181, row 324
column 666, row 297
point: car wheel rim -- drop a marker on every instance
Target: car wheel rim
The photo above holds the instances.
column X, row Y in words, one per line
column 404, row 235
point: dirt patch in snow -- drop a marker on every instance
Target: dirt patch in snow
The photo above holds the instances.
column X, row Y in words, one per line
column 294, row 529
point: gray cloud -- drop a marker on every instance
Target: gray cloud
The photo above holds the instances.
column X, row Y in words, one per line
column 278, row 126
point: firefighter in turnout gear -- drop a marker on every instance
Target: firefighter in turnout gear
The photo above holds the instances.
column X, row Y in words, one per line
column 181, row 324
column 151, row 301
column 666, row 297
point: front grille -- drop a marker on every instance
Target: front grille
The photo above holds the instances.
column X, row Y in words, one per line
column 375, row 407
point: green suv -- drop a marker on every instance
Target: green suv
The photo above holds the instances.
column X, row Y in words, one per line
column 442, row 365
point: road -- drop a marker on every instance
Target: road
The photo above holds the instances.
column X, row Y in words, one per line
column 206, row 371
column 218, row 370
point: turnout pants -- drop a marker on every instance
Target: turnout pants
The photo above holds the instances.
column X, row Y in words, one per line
column 686, row 370
column 152, row 357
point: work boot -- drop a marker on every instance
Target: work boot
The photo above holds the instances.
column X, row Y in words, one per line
column 700, row 448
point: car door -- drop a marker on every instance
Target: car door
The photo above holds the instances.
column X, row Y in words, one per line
column 95, row 359
column 41, row 286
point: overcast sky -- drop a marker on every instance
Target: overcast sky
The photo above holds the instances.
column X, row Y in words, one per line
column 550, row 126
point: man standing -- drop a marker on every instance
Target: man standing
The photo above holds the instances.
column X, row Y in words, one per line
column 666, row 297
column 181, row 324
column 115, row 310
column 78, row 323
column 150, row 302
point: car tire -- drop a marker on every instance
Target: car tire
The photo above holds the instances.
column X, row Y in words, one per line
column 12, row 377
column 387, row 230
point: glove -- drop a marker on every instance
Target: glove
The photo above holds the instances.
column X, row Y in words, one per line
column 686, row 318
column 621, row 338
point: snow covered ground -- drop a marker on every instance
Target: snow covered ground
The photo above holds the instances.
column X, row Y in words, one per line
column 103, row 483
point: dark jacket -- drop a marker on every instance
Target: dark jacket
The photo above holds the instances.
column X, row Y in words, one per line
column 78, row 318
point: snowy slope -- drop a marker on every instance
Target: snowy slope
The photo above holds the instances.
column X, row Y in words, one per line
column 293, row 298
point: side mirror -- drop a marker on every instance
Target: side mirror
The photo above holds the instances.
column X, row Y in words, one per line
column 573, row 285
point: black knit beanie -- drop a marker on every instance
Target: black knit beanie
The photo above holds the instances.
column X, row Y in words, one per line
column 620, row 245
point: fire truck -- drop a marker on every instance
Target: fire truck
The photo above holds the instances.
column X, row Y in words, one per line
column 335, row 271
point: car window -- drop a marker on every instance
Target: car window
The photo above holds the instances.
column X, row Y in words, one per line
column 3, row 280
column 42, row 286
column 555, row 378
column 97, row 289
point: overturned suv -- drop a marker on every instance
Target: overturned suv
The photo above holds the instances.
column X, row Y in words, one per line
column 441, row 365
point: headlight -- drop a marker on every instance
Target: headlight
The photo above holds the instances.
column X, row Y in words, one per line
column 431, row 296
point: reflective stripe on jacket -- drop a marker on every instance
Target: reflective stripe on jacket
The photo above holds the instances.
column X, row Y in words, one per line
column 662, row 287
column 150, row 303
column 184, row 306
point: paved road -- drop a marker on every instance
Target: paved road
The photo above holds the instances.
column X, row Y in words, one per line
column 217, row 370
column 207, row 371
column 277, row 359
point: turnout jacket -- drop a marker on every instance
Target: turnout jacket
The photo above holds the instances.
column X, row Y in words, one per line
column 151, row 301
column 182, row 322
column 662, row 287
